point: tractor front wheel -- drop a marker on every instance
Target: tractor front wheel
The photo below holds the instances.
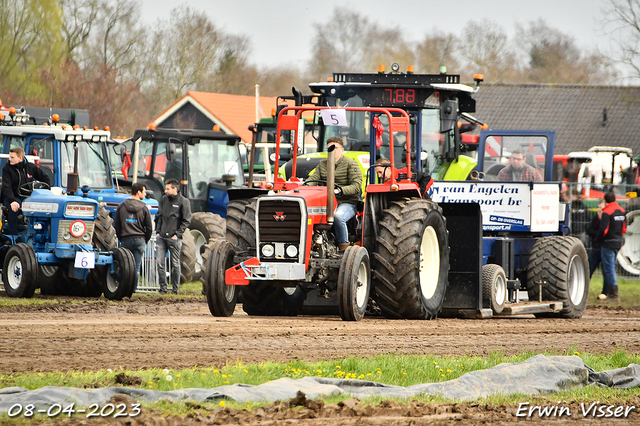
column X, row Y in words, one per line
column 120, row 282
column 354, row 283
column 221, row 298
column 20, row 271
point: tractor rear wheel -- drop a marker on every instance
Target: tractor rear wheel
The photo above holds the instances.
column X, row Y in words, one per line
column 221, row 298
column 187, row 258
column 561, row 262
column 494, row 287
column 20, row 271
column 119, row 284
column 412, row 260
column 104, row 234
column 354, row 283
column 204, row 227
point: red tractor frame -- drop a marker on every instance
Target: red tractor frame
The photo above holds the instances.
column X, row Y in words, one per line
column 286, row 252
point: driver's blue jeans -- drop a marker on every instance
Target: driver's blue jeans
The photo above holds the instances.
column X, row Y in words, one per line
column 344, row 212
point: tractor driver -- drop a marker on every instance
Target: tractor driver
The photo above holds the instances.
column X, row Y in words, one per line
column 518, row 170
column 18, row 176
column 349, row 178
column 383, row 170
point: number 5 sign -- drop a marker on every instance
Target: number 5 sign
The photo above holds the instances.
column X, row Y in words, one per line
column 334, row 117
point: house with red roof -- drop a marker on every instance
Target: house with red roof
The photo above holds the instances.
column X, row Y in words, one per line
column 203, row 110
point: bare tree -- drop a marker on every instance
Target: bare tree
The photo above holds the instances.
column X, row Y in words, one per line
column 80, row 16
column 437, row 50
column 553, row 57
column 622, row 22
column 486, row 49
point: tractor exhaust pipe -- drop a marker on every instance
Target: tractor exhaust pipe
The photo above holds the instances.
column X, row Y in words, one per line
column 331, row 178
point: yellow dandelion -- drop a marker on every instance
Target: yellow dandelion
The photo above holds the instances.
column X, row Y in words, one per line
column 448, row 370
column 368, row 374
column 224, row 376
column 435, row 362
column 319, row 371
column 361, row 376
column 215, row 372
column 337, row 367
column 404, row 374
column 286, row 370
column 441, row 370
column 177, row 375
column 229, row 375
column 442, row 375
column 226, row 382
column 576, row 353
column 175, row 384
column 204, row 374
column 222, row 403
column 150, row 383
column 379, row 372
column 246, row 371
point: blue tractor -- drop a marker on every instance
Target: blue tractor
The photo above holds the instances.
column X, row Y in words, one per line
column 56, row 235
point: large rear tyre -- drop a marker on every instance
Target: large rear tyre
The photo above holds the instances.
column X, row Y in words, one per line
column 204, row 227
column 221, row 298
column 20, row 271
column 119, row 283
column 494, row 287
column 412, row 260
column 562, row 263
column 354, row 283
column 235, row 214
column 104, row 234
column 188, row 258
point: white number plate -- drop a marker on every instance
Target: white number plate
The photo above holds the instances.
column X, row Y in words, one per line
column 85, row 260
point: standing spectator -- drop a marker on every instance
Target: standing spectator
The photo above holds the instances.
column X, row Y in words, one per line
column 133, row 225
column 612, row 225
column 173, row 219
column 594, row 254
column 18, row 180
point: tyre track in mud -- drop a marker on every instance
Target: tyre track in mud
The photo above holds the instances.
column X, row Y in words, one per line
column 182, row 333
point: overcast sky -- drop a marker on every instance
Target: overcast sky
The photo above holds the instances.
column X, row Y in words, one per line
column 282, row 31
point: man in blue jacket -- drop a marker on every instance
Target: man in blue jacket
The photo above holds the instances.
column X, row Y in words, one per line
column 613, row 224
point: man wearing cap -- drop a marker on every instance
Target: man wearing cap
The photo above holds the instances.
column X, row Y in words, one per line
column 349, row 178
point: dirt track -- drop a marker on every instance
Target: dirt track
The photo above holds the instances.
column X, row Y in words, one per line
column 170, row 333
column 163, row 332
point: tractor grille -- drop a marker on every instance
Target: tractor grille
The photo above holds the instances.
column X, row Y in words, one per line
column 63, row 227
column 279, row 221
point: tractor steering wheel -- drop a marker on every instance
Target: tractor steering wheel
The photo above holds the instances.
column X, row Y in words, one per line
column 322, row 181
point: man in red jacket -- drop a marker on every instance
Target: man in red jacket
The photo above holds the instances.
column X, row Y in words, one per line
column 613, row 224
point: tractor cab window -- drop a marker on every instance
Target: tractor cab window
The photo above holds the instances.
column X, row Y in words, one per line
column 208, row 161
column 434, row 145
column 93, row 166
column 498, row 150
column 162, row 169
column 43, row 148
column 13, row 142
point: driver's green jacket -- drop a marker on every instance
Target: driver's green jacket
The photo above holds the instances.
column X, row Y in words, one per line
column 348, row 176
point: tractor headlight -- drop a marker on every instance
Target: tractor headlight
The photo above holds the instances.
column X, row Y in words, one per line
column 267, row 250
column 66, row 236
column 87, row 237
column 292, row 251
column 37, row 226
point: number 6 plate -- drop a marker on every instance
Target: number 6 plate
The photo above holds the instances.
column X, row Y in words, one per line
column 85, row 260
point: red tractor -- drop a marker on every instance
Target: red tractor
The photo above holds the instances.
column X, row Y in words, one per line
column 286, row 248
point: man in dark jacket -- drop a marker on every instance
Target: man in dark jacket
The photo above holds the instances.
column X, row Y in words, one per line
column 612, row 225
column 173, row 219
column 133, row 225
column 18, row 177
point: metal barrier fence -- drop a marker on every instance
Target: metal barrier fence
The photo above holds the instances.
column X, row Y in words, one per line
column 585, row 199
column 149, row 282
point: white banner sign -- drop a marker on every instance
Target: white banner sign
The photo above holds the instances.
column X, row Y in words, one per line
column 504, row 206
